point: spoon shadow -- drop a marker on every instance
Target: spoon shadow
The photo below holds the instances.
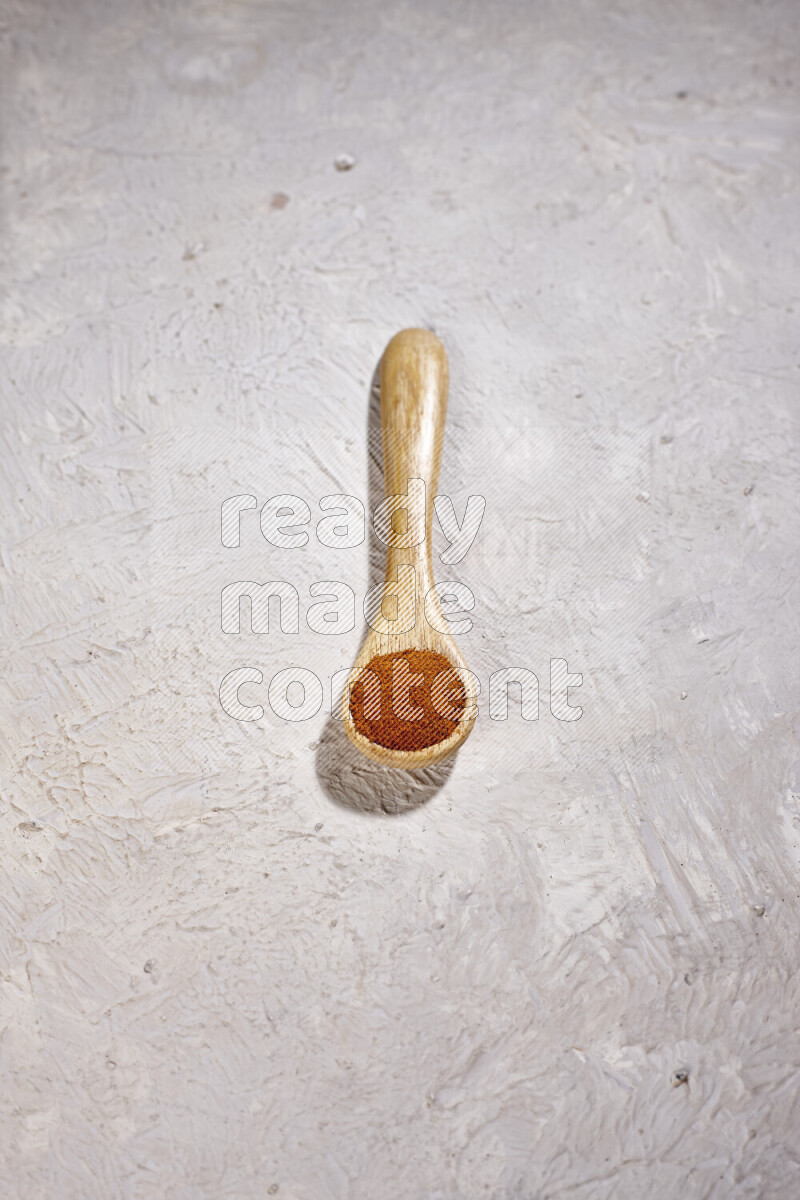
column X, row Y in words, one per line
column 354, row 781
column 348, row 777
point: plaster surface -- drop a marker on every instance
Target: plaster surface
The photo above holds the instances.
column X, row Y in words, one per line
column 236, row 961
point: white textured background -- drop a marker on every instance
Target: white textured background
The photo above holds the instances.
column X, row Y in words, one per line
column 234, row 963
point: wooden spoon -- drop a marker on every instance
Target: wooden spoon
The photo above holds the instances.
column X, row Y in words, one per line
column 414, row 379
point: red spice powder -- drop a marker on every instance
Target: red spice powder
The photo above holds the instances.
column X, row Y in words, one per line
column 407, row 701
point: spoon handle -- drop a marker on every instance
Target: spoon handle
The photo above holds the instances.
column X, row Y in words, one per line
column 414, row 381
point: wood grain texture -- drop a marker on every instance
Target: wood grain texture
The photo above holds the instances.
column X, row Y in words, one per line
column 414, row 383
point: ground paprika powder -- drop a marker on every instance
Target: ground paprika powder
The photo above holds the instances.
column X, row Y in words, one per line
column 408, row 700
